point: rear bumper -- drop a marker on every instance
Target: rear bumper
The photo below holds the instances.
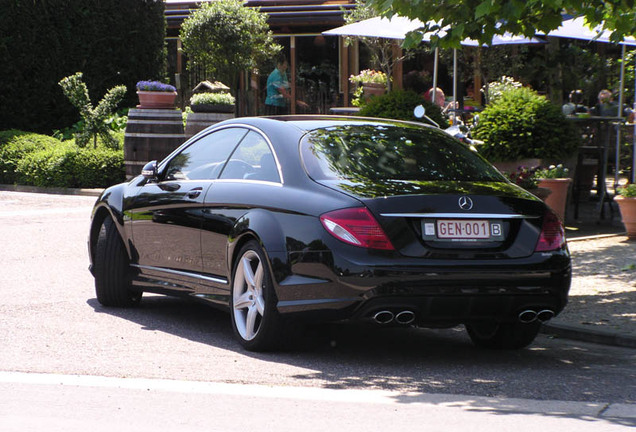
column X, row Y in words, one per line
column 437, row 295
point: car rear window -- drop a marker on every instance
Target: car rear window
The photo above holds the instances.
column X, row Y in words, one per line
column 391, row 152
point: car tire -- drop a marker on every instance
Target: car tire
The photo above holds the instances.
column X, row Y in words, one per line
column 503, row 335
column 256, row 322
column 111, row 269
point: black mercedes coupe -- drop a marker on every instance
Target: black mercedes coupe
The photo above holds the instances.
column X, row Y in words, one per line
column 326, row 219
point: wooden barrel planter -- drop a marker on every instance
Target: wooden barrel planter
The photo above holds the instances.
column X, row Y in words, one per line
column 197, row 121
column 151, row 134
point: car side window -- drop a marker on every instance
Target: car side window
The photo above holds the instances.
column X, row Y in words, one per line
column 252, row 160
column 204, row 158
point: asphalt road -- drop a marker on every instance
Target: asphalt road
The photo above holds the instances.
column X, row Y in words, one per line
column 52, row 326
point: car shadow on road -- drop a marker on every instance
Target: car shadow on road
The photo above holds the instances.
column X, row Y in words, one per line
column 406, row 360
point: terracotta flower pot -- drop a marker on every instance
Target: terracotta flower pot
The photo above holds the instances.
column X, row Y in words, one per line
column 541, row 193
column 156, row 100
column 627, row 208
column 559, row 195
column 373, row 89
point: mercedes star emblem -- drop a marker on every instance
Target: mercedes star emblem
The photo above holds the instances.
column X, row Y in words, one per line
column 465, row 203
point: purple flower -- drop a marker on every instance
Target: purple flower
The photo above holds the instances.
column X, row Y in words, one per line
column 157, row 86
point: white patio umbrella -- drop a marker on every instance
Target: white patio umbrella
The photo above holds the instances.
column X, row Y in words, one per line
column 397, row 27
column 576, row 28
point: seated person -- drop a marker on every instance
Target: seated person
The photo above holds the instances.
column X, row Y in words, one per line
column 575, row 104
column 606, row 107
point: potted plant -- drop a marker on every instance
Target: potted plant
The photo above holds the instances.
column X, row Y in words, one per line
column 212, row 102
column 626, row 200
column 556, row 179
column 370, row 83
column 156, row 95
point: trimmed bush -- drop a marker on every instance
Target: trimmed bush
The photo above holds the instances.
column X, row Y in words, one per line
column 39, row 160
column 399, row 105
column 69, row 166
column 15, row 145
column 521, row 124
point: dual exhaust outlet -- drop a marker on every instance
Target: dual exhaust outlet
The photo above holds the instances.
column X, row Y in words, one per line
column 406, row 317
column 528, row 316
column 386, row 317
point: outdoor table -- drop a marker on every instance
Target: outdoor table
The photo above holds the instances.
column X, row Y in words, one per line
column 596, row 132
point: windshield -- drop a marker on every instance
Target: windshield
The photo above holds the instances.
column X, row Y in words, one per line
column 377, row 152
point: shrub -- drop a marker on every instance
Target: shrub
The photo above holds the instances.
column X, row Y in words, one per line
column 66, row 165
column 399, row 105
column 94, row 118
column 39, row 160
column 212, row 98
column 522, row 124
column 15, row 145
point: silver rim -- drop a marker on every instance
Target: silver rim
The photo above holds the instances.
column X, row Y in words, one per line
column 247, row 295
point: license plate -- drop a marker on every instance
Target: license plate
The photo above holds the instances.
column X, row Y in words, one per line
column 462, row 230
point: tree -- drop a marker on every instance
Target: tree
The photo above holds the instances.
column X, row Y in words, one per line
column 482, row 19
column 225, row 38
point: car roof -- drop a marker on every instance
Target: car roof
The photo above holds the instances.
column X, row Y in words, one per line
column 306, row 123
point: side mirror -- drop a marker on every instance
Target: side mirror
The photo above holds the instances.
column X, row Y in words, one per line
column 420, row 112
column 149, row 171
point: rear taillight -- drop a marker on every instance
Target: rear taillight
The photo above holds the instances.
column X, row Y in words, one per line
column 552, row 233
column 356, row 226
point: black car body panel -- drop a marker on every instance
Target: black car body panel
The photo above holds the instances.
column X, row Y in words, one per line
column 182, row 237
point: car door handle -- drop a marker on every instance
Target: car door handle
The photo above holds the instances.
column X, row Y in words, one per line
column 194, row 193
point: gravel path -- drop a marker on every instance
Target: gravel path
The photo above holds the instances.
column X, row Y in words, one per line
column 603, row 293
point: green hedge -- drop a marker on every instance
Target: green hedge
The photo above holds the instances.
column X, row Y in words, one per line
column 15, row 145
column 38, row 160
column 112, row 42
column 522, row 124
column 399, row 105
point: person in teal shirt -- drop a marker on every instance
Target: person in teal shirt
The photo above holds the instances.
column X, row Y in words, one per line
column 277, row 100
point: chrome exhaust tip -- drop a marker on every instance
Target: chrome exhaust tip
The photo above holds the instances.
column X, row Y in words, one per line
column 383, row 317
column 545, row 315
column 405, row 317
column 527, row 316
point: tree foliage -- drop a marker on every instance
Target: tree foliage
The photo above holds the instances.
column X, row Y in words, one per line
column 225, row 38
column 94, row 124
column 482, row 19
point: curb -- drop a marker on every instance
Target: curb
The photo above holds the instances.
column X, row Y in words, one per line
column 586, row 334
column 51, row 190
column 596, row 237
